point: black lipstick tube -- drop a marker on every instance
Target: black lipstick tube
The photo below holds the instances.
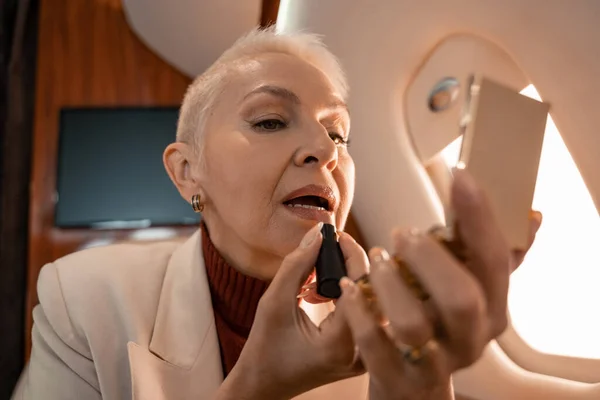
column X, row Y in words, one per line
column 330, row 266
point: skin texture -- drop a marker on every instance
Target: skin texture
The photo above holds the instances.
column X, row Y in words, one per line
column 259, row 146
column 277, row 126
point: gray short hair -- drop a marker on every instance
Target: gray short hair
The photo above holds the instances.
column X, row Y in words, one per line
column 202, row 93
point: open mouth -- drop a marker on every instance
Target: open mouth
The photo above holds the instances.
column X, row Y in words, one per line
column 309, row 202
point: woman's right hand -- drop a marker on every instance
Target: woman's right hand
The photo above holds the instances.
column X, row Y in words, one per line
column 286, row 353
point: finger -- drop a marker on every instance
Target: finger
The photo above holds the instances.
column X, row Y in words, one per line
column 310, row 280
column 335, row 334
column 311, row 296
column 455, row 294
column 535, row 221
column 295, row 269
column 311, row 285
column 355, row 258
column 357, row 264
column 406, row 315
column 489, row 256
column 380, row 357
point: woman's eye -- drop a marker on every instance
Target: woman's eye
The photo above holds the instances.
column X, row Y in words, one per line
column 270, row 125
column 339, row 139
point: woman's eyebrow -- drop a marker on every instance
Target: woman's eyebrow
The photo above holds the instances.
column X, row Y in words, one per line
column 288, row 95
column 275, row 91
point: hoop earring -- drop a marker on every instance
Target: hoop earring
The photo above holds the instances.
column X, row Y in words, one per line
column 196, row 203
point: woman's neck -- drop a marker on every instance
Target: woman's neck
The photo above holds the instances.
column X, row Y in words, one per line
column 234, row 298
column 244, row 259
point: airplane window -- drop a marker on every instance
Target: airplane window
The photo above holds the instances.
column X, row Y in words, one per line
column 554, row 296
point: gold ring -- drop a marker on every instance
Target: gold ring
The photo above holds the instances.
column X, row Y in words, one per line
column 415, row 354
column 407, row 276
column 364, row 284
column 411, row 280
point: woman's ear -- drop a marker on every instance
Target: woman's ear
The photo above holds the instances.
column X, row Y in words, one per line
column 179, row 159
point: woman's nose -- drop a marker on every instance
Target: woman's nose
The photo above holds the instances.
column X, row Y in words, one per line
column 317, row 149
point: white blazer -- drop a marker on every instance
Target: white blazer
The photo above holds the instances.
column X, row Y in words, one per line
column 134, row 321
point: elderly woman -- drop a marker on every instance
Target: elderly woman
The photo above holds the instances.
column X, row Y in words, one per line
column 262, row 152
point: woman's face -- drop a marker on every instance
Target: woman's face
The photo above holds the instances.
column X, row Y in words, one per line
column 276, row 161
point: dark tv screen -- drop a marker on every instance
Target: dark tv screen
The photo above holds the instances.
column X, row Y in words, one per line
column 110, row 171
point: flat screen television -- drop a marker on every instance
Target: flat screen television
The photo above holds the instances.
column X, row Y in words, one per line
column 110, row 172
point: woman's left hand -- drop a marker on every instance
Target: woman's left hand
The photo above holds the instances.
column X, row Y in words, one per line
column 414, row 356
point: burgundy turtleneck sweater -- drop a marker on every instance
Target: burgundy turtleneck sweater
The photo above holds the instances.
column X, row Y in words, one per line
column 235, row 298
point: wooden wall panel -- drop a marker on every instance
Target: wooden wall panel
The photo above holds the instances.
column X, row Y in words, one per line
column 87, row 56
column 269, row 12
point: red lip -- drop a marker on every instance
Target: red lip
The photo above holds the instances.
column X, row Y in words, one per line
column 325, row 192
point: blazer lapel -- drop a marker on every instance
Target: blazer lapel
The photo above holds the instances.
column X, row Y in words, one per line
column 183, row 357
